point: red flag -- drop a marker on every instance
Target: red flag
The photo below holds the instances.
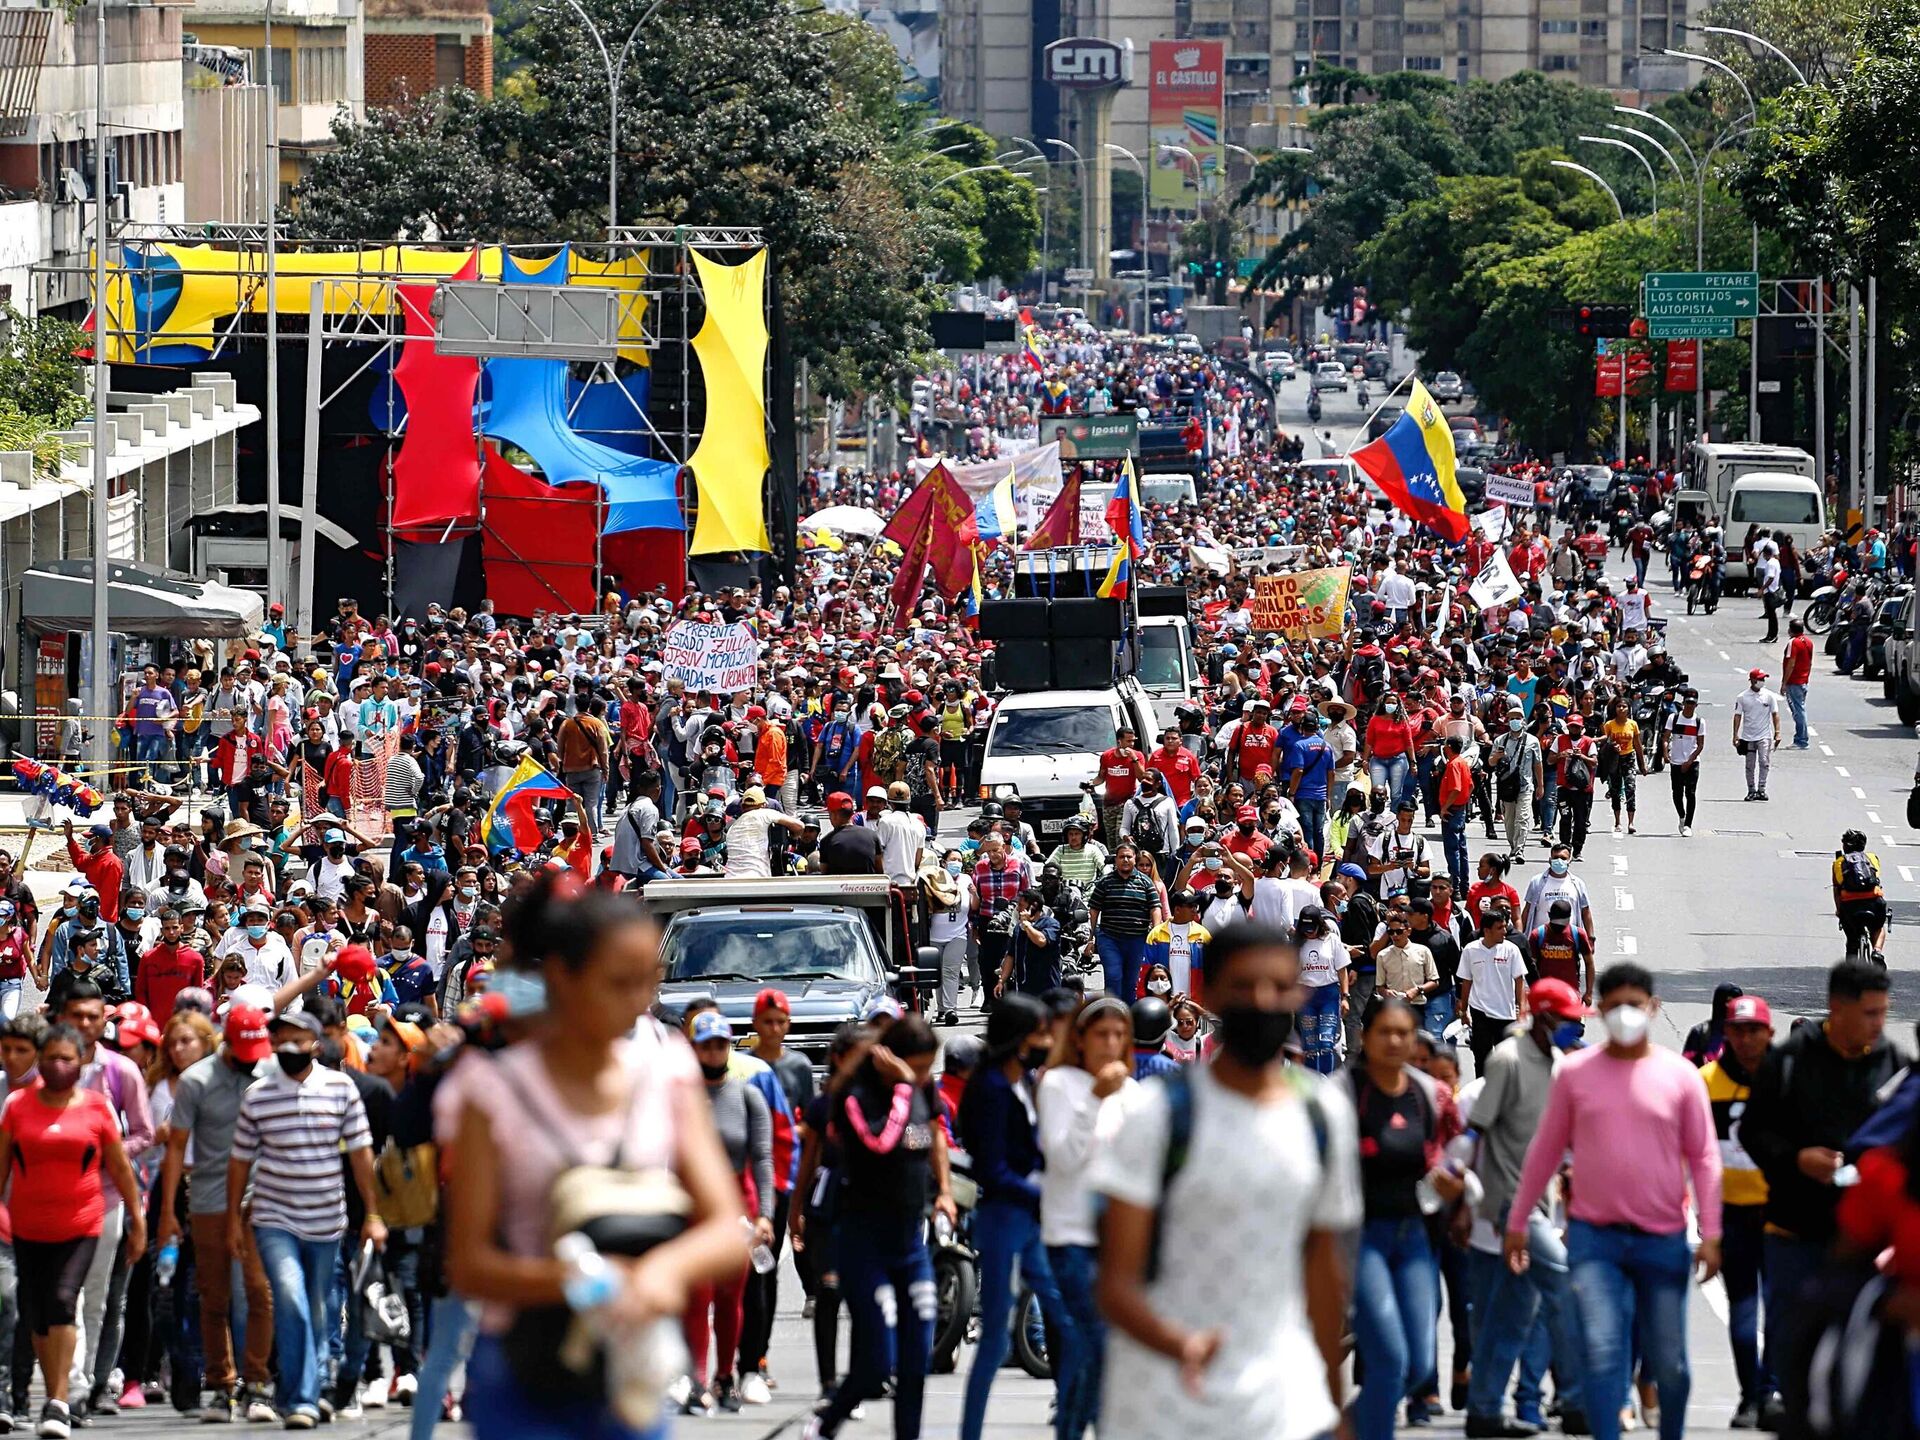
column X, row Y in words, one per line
column 910, row 531
column 953, row 532
column 1060, row 526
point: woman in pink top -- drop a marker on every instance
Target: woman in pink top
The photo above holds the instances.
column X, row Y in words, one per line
column 596, row 1082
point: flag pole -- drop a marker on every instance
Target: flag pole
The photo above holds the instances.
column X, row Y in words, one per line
column 1361, row 429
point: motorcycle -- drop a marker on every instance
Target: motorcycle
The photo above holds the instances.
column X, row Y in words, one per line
column 1823, row 606
column 1313, row 408
column 1703, row 589
column 1362, row 396
column 956, row 1270
column 1650, row 703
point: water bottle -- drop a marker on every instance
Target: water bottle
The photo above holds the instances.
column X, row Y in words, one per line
column 760, row 1256
column 641, row 1361
column 166, row 1262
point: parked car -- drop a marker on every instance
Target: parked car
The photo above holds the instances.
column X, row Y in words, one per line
column 1446, row 386
column 1891, row 621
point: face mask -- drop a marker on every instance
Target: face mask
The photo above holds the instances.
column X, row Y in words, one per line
column 522, row 993
column 714, row 1073
column 1034, row 1056
column 60, row 1076
column 336, row 851
column 953, row 867
column 1627, row 1025
column 1516, row 725
column 1245, row 827
column 1223, row 888
column 400, row 957
column 293, row 1062
column 1567, row 1035
column 135, row 912
column 469, row 892
column 1557, row 866
column 1389, row 709
column 1253, row 1036
column 1159, row 987
column 256, row 932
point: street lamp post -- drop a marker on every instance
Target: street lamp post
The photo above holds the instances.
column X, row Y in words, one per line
column 1653, row 181
column 615, row 70
column 1618, row 213
column 1086, row 200
column 1146, row 259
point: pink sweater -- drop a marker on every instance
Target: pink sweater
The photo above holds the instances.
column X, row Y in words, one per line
column 1636, row 1128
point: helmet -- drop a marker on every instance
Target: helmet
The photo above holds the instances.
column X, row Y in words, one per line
column 963, row 1054
column 1152, row 1020
column 993, row 810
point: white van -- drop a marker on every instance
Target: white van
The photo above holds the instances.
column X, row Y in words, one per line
column 1044, row 744
column 1167, row 488
column 1774, row 501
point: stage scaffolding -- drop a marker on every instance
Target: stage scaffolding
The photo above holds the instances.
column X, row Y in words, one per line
column 360, row 310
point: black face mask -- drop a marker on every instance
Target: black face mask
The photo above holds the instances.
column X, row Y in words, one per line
column 1253, row 1036
column 1034, row 1056
column 294, row 1062
column 1223, row 888
column 714, row 1073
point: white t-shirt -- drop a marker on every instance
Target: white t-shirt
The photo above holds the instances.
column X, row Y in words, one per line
column 901, row 836
column 945, row 925
column 1073, row 1126
column 1633, row 610
column 1491, row 970
column 747, row 844
column 1321, row 961
column 1543, row 890
column 1221, row 912
column 1757, row 710
column 1685, row 736
column 1180, row 955
column 1235, row 1220
column 1275, row 904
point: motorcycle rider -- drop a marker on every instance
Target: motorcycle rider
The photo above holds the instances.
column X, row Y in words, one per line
column 1711, row 549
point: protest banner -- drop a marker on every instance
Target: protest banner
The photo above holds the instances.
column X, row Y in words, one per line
column 706, row 656
column 1514, row 489
column 1496, row 584
column 1305, row 605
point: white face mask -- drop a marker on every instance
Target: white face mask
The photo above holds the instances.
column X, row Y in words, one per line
column 1627, row 1025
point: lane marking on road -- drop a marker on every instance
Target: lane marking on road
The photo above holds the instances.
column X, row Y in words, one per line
column 1858, row 793
column 1841, row 771
column 1624, row 944
column 1827, row 750
column 1725, row 656
column 1906, row 873
column 1619, row 864
column 1873, row 818
column 1622, row 899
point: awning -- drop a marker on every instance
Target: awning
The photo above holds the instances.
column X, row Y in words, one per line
column 59, row 596
column 291, row 517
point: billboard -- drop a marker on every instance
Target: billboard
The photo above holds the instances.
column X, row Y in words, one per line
column 1186, row 106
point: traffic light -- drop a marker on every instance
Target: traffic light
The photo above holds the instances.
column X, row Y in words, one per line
column 1195, row 269
column 1216, row 269
column 1602, row 322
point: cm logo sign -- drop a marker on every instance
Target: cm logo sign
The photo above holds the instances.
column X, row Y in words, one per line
column 1086, row 64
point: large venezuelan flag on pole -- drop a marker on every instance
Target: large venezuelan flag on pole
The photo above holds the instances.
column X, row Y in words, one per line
column 510, row 823
column 1129, row 535
column 1413, row 466
column 998, row 518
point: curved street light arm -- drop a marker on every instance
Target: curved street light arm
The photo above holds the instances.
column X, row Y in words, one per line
column 1642, row 135
column 1653, row 180
column 1618, row 213
column 1767, row 45
column 1720, row 65
column 1665, row 125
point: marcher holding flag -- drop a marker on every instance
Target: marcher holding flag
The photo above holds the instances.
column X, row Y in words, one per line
column 1413, row 466
column 510, row 822
column 1129, row 535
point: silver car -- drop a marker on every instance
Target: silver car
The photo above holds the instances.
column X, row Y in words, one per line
column 1447, row 386
column 1330, row 375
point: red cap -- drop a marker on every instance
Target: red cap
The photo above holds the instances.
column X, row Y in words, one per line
column 247, row 1037
column 1749, row 1010
column 690, row 846
column 840, row 800
column 1246, row 815
column 1555, row 997
column 754, row 712
column 355, row 963
column 772, row 997
column 1756, row 674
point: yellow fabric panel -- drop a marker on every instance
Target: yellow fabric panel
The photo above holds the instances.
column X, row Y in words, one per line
column 730, row 462
column 628, row 273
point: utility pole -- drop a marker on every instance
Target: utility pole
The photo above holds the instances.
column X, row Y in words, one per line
column 310, row 468
column 1853, row 399
column 1870, row 457
column 98, row 679
column 275, row 553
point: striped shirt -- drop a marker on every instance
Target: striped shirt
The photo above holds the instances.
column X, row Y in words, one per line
column 1125, row 903
column 293, row 1132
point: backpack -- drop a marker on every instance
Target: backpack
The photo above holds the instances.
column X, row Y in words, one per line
column 1179, row 1090
column 1370, row 678
column 1858, row 874
column 1146, row 830
column 1577, row 772
column 889, row 748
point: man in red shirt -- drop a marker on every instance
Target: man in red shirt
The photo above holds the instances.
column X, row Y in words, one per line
column 105, row 871
column 1177, row 766
column 1245, row 839
column 1254, row 745
column 1120, row 770
column 1591, row 543
column 168, row 968
column 1796, row 670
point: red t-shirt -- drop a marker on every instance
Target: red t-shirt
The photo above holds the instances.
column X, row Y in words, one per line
column 165, row 971
column 1388, row 738
column 1179, row 769
column 15, row 950
column 1257, row 744
column 1799, row 668
column 57, row 1159
column 1251, row 848
column 1117, row 775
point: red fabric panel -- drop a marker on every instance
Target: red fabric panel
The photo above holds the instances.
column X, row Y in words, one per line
column 537, row 545
column 436, row 476
column 646, row 558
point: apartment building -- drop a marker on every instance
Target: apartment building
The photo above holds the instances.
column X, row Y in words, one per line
column 418, row 46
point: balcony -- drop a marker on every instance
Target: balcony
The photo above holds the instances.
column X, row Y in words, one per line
column 23, row 49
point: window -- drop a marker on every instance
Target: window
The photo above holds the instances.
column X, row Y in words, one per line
column 1558, row 27
column 1594, row 27
column 1060, row 731
column 1553, row 64
column 1774, row 507
column 1424, row 62
column 449, row 63
column 323, row 74
column 282, row 72
column 1424, row 27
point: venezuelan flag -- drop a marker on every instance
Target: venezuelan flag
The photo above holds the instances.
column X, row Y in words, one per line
column 996, row 517
column 1030, row 342
column 1413, row 466
column 509, row 823
column 1129, row 535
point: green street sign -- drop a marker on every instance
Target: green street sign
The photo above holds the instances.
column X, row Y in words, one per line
column 1720, row 294
column 1685, row 328
column 1246, row 266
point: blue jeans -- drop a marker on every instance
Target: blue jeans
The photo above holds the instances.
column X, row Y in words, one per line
column 449, row 1339
column 499, row 1409
column 1319, row 1025
column 879, row 1268
column 1622, row 1278
column 1121, row 957
column 591, row 787
column 1002, row 1232
column 1396, row 1298
column 1797, row 703
column 1390, row 775
column 1313, row 822
column 150, row 750
column 1082, row 1338
column 1508, row 1308
column 1453, row 836
column 300, row 1271
column 1439, row 1012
